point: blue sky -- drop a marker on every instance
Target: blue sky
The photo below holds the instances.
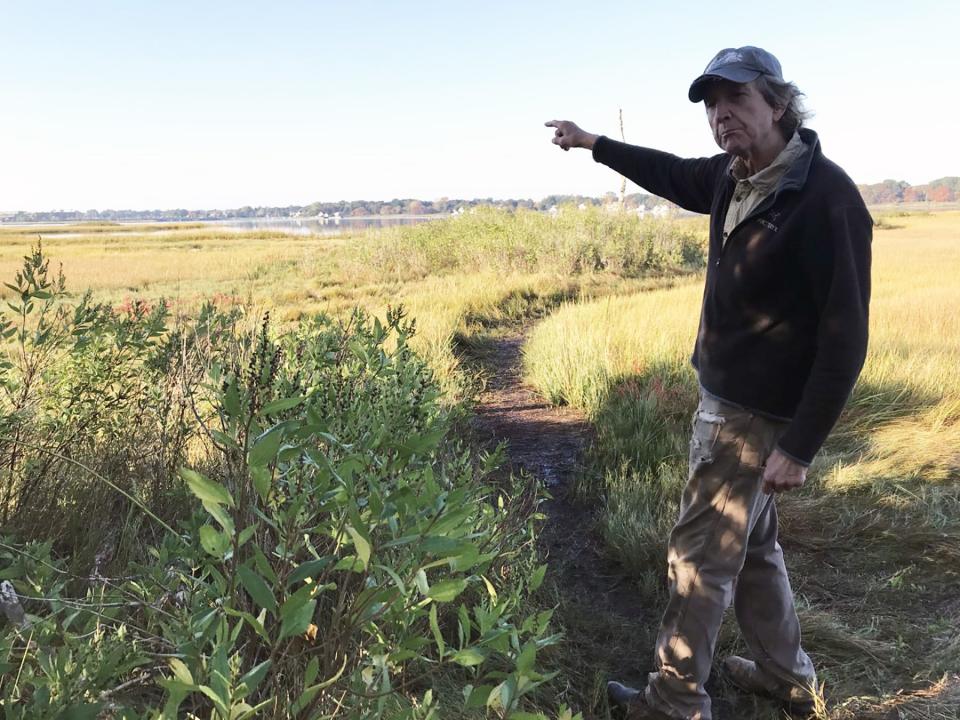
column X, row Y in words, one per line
column 215, row 104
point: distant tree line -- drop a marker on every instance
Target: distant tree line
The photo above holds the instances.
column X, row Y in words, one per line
column 945, row 189
column 345, row 208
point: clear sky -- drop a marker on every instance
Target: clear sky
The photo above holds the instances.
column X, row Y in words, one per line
column 207, row 104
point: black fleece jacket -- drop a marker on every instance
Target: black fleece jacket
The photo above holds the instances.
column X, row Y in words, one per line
column 783, row 325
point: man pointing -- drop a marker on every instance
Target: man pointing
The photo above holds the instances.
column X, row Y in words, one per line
column 781, row 341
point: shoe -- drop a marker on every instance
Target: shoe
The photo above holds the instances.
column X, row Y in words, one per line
column 634, row 702
column 744, row 674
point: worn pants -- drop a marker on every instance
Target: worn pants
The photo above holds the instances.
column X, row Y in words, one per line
column 724, row 547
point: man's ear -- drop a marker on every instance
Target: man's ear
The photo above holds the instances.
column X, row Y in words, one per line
column 778, row 112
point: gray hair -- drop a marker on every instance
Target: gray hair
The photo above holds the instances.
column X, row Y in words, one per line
column 780, row 94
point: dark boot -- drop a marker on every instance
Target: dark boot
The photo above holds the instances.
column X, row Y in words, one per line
column 747, row 676
column 634, row 702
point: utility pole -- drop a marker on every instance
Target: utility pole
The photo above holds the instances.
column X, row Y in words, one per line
column 623, row 181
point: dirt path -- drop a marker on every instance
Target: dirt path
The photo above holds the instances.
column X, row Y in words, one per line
column 600, row 610
column 609, row 631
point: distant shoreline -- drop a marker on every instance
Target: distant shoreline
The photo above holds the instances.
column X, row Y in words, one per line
column 923, row 206
column 223, row 221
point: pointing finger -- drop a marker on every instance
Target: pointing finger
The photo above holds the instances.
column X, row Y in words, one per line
column 552, row 123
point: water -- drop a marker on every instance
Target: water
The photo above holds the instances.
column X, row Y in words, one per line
column 323, row 226
column 294, row 226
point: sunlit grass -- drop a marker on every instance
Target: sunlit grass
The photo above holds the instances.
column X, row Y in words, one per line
column 903, row 421
column 446, row 273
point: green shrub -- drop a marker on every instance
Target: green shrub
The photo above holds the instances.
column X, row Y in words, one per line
column 571, row 242
column 341, row 552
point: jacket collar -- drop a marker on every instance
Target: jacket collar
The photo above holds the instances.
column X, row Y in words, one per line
column 796, row 176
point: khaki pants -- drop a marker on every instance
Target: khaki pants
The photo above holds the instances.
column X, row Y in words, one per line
column 724, row 547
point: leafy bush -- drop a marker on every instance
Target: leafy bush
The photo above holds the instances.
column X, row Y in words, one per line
column 340, row 553
column 573, row 241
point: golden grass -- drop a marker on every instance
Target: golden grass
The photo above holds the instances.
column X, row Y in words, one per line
column 291, row 276
column 904, row 419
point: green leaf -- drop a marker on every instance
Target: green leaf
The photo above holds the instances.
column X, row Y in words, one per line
column 536, row 580
column 468, row 657
column 491, row 590
column 253, row 622
column 205, row 489
column 435, row 628
column 351, row 563
column 421, row 580
column 262, row 480
column 503, row 695
column 281, row 405
column 313, row 669
column 80, row 712
column 258, row 589
column 214, row 541
column 295, row 618
column 218, row 702
column 309, row 693
column 231, row 399
column 308, row 569
column 255, row 676
column 477, row 697
column 178, row 692
column 265, row 447
column 422, row 444
column 467, row 559
column 220, row 515
column 527, row 658
column 180, row 671
column 446, row 590
column 361, row 545
column 246, row 534
column 263, row 565
column 224, row 439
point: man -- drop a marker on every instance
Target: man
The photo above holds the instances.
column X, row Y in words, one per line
column 782, row 339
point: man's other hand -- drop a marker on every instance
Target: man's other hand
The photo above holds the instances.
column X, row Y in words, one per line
column 568, row 135
column 782, row 474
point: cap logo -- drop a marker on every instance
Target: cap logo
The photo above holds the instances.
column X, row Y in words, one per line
column 728, row 57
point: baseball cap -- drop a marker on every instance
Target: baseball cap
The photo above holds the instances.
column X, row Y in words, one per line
column 740, row 65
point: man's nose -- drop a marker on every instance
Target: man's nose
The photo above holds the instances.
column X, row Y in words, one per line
column 721, row 109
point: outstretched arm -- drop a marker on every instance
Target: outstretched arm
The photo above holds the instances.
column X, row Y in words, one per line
column 690, row 183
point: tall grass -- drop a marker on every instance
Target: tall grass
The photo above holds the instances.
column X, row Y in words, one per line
column 571, row 242
column 903, row 421
column 451, row 274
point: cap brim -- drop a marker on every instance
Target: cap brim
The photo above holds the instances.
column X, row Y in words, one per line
column 737, row 75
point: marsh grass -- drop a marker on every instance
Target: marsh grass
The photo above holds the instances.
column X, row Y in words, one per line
column 874, row 540
column 456, row 276
column 93, row 227
column 571, row 242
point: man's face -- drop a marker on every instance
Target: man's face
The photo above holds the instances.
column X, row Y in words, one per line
column 741, row 120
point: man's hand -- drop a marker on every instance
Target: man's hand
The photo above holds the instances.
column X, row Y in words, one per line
column 568, row 135
column 782, row 474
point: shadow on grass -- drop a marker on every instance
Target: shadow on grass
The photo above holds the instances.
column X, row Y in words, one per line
column 876, row 568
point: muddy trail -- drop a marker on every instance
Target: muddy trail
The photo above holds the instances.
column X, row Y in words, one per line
column 598, row 604
column 610, row 631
